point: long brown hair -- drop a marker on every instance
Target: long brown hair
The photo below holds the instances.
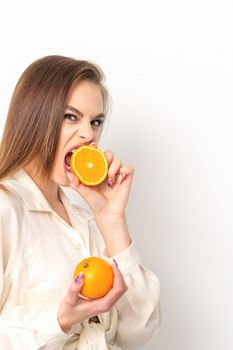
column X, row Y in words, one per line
column 37, row 109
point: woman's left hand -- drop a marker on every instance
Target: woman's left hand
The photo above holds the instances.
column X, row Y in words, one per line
column 111, row 196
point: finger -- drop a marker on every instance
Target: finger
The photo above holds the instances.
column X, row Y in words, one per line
column 74, row 181
column 109, row 155
column 114, row 169
column 118, row 285
column 124, row 172
column 118, row 277
column 119, row 288
column 75, row 287
column 77, row 185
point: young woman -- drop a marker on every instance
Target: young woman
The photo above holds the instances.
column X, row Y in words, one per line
column 58, row 105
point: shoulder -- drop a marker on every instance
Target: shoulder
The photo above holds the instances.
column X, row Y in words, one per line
column 10, row 202
column 11, row 233
column 11, row 220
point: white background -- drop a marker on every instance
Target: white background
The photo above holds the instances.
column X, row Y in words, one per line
column 169, row 69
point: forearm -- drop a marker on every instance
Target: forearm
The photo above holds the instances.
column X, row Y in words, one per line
column 136, row 324
column 115, row 233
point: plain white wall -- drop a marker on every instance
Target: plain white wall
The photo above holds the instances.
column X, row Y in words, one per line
column 169, row 69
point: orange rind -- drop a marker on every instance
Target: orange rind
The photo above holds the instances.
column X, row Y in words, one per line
column 90, row 165
column 98, row 277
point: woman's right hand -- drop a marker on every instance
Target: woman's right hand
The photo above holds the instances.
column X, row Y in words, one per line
column 75, row 309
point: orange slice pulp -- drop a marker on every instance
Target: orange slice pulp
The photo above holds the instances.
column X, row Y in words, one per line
column 89, row 164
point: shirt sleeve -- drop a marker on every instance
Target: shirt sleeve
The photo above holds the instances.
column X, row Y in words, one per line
column 21, row 327
column 139, row 314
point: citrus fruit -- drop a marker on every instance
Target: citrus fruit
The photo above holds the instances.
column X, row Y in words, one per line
column 98, row 277
column 89, row 164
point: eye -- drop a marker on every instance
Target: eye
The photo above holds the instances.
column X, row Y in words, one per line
column 97, row 122
column 70, row 117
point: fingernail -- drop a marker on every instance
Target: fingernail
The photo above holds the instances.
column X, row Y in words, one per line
column 69, row 176
column 93, row 144
column 120, row 179
column 115, row 262
column 79, row 278
column 110, row 182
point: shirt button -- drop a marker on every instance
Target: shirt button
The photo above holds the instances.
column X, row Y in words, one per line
column 78, row 246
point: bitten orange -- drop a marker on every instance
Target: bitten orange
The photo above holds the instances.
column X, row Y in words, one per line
column 98, row 277
column 89, row 164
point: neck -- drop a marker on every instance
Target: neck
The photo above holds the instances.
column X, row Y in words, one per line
column 49, row 188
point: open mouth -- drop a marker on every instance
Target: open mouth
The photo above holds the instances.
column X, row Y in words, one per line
column 69, row 154
column 67, row 158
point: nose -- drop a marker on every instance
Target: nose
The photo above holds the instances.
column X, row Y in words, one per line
column 85, row 132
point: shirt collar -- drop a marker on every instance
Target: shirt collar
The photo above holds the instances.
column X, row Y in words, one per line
column 23, row 185
column 33, row 198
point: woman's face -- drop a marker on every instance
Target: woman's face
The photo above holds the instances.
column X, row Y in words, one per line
column 81, row 125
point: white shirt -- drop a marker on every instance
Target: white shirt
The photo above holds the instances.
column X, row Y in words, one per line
column 38, row 254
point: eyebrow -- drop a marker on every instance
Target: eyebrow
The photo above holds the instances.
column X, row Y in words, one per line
column 73, row 109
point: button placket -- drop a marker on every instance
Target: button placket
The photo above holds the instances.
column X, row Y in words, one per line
column 73, row 234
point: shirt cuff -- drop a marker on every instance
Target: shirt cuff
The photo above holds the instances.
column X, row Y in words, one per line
column 128, row 260
column 51, row 330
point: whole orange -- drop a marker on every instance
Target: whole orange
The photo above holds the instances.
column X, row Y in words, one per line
column 98, row 277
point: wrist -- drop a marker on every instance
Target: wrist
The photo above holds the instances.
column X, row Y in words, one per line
column 110, row 219
column 111, row 223
column 65, row 327
column 115, row 233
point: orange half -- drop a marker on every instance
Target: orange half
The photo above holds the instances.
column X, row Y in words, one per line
column 89, row 164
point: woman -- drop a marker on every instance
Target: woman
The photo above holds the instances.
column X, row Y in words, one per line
column 58, row 105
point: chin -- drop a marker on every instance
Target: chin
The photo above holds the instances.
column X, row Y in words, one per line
column 65, row 182
column 61, row 180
